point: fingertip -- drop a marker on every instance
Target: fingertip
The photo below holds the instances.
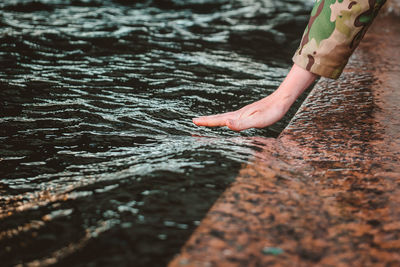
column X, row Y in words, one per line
column 196, row 120
column 200, row 121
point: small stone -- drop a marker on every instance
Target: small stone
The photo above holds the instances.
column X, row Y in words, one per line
column 272, row 251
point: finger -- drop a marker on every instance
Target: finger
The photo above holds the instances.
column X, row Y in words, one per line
column 211, row 121
column 242, row 124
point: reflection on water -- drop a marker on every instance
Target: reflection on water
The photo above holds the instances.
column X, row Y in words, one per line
column 99, row 160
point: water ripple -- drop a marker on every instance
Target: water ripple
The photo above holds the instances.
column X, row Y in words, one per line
column 99, row 160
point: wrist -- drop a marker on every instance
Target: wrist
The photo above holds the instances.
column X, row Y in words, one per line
column 295, row 83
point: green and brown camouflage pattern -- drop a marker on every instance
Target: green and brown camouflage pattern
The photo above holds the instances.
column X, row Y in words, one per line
column 335, row 29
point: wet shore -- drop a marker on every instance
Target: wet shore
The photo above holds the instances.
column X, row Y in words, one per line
column 326, row 192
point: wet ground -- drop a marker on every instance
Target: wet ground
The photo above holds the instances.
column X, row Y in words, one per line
column 99, row 160
column 326, row 191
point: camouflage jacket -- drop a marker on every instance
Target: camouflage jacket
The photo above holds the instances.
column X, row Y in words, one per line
column 333, row 32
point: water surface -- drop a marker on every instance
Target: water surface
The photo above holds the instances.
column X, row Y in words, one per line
column 100, row 163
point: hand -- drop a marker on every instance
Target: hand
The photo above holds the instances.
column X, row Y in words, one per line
column 259, row 114
column 266, row 111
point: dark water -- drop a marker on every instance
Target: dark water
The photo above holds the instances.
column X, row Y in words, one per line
column 100, row 163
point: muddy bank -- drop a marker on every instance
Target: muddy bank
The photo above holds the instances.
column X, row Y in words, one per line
column 326, row 192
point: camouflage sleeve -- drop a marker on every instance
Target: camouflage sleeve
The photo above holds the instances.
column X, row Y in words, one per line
column 333, row 32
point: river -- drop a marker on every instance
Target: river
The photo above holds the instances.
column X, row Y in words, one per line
column 100, row 162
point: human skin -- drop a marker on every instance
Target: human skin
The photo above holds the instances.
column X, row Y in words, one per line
column 266, row 111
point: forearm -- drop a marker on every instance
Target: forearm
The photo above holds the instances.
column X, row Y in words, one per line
column 295, row 83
